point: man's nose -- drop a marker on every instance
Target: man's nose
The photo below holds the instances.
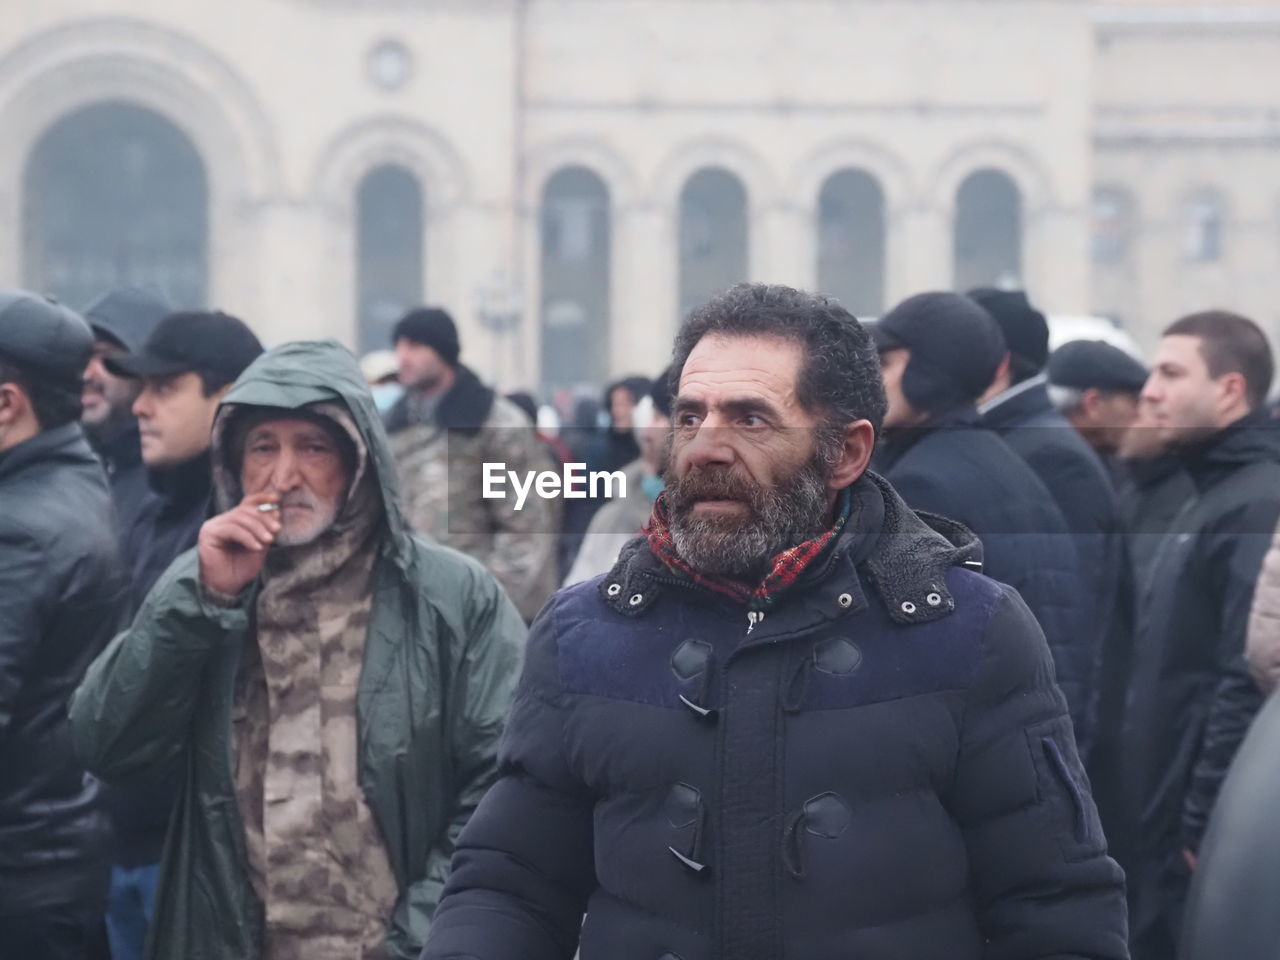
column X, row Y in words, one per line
column 710, row 446
column 142, row 406
column 285, row 475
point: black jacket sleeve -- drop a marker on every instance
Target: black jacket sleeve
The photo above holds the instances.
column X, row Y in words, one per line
column 524, row 865
column 23, row 599
column 1233, row 559
column 1043, row 885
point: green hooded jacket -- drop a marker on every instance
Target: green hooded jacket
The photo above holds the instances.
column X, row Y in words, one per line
column 440, row 664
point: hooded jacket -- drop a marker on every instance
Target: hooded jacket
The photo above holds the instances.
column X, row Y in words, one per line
column 61, row 599
column 1191, row 697
column 954, row 466
column 881, row 768
column 1263, row 642
column 443, row 648
column 441, row 464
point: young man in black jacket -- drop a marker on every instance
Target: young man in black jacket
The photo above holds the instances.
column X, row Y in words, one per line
column 61, row 599
column 793, row 721
column 1191, row 698
column 183, row 370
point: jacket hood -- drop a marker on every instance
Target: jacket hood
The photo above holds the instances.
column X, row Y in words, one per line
column 315, row 374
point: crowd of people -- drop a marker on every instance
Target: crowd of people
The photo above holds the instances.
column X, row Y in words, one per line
column 911, row 638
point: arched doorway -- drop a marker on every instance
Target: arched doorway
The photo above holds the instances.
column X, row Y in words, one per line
column 115, row 195
column 988, row 232
column 389, row 252
column 713, row 236
column 851, row 237
column 575, row 280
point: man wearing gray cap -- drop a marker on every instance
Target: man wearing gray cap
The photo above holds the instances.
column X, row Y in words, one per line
column 61, row 599
column 121, row 321
column 1096, row 387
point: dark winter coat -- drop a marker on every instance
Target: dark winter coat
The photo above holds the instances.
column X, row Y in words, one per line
column 61, row 599
column 168, row 523
column 1081, row 487
column 1231, row 913
column 956, row 467
column 1191, row 696
column 121, row 456
column 882, row 768
column 439, row 665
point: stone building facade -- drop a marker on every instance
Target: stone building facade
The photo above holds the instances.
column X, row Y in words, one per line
column 568, row 176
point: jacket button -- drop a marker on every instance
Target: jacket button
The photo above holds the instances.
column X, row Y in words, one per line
column 845, row 600
column 908, row 607
column 614, row 589
column 636, row 599
column 934, row 599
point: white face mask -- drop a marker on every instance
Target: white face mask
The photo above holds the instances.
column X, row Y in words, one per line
column 385, row 395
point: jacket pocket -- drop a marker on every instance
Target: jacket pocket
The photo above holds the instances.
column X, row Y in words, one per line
column 1064, row 790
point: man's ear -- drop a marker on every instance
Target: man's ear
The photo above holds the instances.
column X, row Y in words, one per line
column 855, row 454
column 14, row 404
column 1091, row 403
column 1233, row 390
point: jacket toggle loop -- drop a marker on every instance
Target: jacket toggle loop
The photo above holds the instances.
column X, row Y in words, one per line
column 683, row 796
column 693, row 660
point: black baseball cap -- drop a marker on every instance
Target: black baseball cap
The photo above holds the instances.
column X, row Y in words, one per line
column 192, row 342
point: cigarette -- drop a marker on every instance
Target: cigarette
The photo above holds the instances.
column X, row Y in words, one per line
column 268, row 507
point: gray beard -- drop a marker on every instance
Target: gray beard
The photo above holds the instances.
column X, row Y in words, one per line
column 780, row 517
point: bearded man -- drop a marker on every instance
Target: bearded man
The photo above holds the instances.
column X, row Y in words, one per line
column 328, row 688
column 792, row 721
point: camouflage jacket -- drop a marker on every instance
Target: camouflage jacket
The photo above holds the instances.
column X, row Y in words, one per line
column 441, row 466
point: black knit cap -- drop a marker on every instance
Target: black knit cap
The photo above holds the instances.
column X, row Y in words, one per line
column 1095, row 364
column 1025, row 328
column 955, row 345
column 431, row 327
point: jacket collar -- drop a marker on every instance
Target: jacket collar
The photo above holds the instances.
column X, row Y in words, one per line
column 905, row 556
column 184, row 485
column 1254, row 438
column 896, row 441
column 121, row 448
column 464, row 408
column 1019, row 403
column 65, row 444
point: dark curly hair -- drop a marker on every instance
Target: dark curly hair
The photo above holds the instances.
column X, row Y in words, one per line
column 840, row 379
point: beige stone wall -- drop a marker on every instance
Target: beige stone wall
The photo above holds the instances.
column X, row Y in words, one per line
column 1058, row 94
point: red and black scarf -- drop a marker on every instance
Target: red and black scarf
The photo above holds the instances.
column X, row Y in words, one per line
column 784, row 569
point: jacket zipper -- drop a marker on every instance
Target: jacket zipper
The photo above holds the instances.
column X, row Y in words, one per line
column 754, row 617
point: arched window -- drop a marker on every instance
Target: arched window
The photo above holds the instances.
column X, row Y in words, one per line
column 1203, row 228
column 851, row 241
column 575, row 278
column 1112, row 227
column 389, row 252
column 713, row 236
column 115, row 195
column 988, row 232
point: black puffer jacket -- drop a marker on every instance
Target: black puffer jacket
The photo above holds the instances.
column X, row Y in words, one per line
column 1081, row 487
column 882, row 768
column 1191, row 697
column 61, row 599
column 168, row 522
column 956, row 467
column 121, row 456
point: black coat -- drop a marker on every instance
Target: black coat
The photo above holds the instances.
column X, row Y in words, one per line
column 121, row 456
column 882, row 768
column 168, row 524
column 1191, row 697
column 61, row 599
column 955, row 467
column 1081, row 487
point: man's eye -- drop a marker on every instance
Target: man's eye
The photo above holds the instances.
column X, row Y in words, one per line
column 689, row 420
column 753, row 420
